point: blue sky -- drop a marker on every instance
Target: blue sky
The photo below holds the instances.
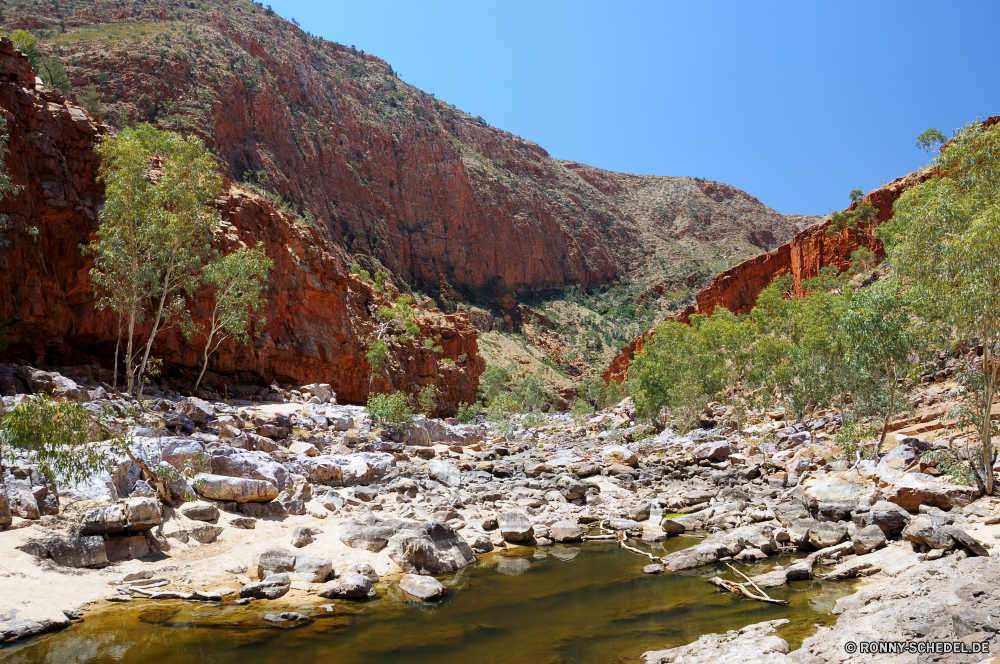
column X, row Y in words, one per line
column 795, row 103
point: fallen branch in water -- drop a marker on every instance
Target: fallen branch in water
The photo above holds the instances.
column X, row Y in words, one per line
column 737, row 589
column 588, row 538
column 749, row 580
column 622, row 544
column 740, row 589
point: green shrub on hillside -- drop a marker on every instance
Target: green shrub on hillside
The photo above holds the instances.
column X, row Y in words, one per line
column 390, row 411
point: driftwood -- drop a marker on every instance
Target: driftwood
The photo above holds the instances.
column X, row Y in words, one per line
column 797, row 484
column 622, row 544
column 590, row 538
column 742, row 590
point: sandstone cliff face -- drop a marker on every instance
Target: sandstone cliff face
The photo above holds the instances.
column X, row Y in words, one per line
column 809, row 251
column 319, row 316
column 447, row 203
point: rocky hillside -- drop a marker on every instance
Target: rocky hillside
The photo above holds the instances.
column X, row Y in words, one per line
column 390, row 174
column 319, row 315
column 803, row 257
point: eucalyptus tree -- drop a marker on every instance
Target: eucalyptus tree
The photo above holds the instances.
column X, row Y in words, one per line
column 676, row 372
column 240, row 281
column 931, row 139
column 154, row 235
column 943, row 241
column 861, row 217
column 883, row 344
column 732, row 339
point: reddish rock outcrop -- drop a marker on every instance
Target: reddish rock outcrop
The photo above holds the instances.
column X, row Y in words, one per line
column 809, row 251
column 318, row 315
column 443, row 200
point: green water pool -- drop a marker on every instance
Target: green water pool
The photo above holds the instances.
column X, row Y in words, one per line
column 579, row 604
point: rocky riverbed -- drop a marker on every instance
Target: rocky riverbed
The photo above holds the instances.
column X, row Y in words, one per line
column 300, row 496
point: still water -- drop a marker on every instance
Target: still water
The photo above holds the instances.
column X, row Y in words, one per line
column 561, row 605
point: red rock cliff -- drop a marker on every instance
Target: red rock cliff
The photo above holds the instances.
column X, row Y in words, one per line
column 811, row 250
column 448, row 203
column 318, row 315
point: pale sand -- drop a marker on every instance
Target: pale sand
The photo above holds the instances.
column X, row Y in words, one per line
column 40, row 589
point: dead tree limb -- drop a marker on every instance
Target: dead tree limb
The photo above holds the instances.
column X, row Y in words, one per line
column 622, row 544
column 737, row 589
column 749, row 580
column 742, row 590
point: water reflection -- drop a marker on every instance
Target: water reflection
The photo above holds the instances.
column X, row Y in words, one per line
column 511, row 607
column 565, row 553
column 513, row 566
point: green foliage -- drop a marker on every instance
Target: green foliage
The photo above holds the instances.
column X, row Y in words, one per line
column 882, row 343
column 468, row 413
column 531, row 392
column 862, row 260
column 390, row 411
column 361, row 272
column 493, row 381
column 942, row 240
column 426, row 400
column 731, row 339
column 53, row 73
column 27, row 43
column 679, row 294
column 864, row 214
column 599, row 394
column 675, row 373
column 239, row 281
column 56, row 435
column 581, row 409
column 90, row 100
column 950, row 465
column 857, row 437
column 533, row 420
column 155, row 232
column 499, row 409
column 7, row 187
column 380, row 281
column 801, row 350
column 376, row 356
column 401, row 311
column 931, row 139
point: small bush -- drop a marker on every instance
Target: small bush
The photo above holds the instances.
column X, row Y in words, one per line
column 947, row 462
column 469, row 413
column 390, row 411
column 89, row 99
column 426, row 400
column 857, row 437
column 376, row 356
column 533, row 420
column 581, row 409
column 493, row 381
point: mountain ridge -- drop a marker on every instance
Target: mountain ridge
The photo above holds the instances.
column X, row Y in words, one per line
column 395, row 177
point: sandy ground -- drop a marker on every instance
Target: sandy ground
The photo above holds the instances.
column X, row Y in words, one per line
column 41, row 590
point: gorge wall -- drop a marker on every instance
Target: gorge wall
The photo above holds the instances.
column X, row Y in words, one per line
column 390, row 173
column 319, row 316
column 808, row 252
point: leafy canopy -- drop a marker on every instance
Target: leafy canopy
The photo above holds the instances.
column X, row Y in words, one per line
column 942, row 240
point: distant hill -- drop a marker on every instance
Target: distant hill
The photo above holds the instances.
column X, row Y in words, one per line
column 393, row 176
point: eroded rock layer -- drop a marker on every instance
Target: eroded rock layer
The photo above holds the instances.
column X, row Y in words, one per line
column 809, row 251
column 318, row 315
